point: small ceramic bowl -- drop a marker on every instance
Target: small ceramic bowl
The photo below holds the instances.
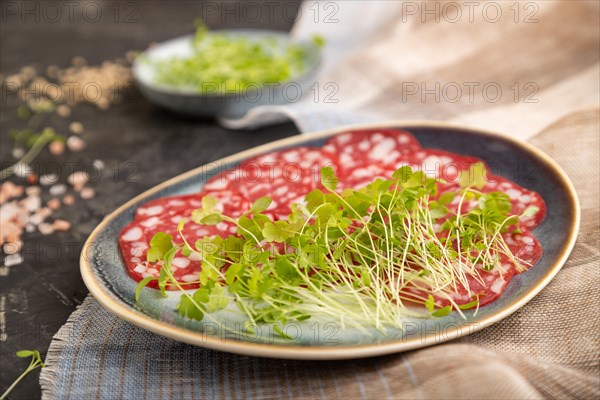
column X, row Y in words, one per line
column 229, row 105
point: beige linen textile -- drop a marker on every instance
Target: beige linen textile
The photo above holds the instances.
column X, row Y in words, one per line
column 386, row 60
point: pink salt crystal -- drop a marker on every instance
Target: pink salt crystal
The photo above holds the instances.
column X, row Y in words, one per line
column 12, row 247
column 45, row 211
column 13, row 259
column 57, row 147
column 76, row 127
column 33, row 191
column 57, row 190
column 22, row 217
column 61, row 225
column 18, row 152
column 78, row 178
column 14, row 236
column 45, row 228
column 32, row 203
column 54, row 203
column 75, row 144
column 69, row 200
column 87, row 193
column 32, row 178
column 48, row 179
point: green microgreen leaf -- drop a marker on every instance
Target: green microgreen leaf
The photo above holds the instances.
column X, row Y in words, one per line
column 476, row 176
column 260, row 205
column 328, row 178
column 470, row 305
column 160, row 244
column 276, row 231
column 187, row 308
column 141, row 285
column 442, row 312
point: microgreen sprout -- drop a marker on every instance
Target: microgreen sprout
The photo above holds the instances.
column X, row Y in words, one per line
column 36, row 362
column 36, row 143
column 369, row 257
column 226, row 63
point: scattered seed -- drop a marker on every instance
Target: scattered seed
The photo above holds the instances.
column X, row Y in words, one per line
column 14, row 80
column 18, row 152
column 78, row 61
column 63, row 110
column 75, row 144
column 76, row 127
column 28, row 72
column 52, row 71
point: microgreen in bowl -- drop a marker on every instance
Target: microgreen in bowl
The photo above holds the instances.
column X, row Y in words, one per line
column 229, row 63
column 362, row 258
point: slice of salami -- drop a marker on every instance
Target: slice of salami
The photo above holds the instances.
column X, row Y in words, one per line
column 164, row 215
column 526, row 249
column 524, row 246
column 520, row 199
column 231, row 203
column 360, row 176
column 172, row 205
column 134, row 242
column 490, row 285
column 286, row 176
column 365, row 147
column 440, row 164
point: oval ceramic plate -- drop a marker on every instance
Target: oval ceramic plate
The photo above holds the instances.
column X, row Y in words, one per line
column 107, row 279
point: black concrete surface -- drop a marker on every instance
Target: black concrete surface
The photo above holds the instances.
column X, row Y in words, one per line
column 140, row 144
